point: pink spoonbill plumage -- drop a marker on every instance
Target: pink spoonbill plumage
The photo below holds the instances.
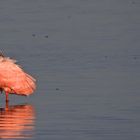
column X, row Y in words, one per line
column 13, row 79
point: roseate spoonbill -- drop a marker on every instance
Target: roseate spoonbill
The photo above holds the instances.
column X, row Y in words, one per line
column 13, row 80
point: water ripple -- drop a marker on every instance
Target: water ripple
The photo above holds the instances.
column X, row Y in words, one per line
column 17, row 121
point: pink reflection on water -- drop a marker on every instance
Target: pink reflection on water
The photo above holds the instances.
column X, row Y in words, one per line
column 17, row 121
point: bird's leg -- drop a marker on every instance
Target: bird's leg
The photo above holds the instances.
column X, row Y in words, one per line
column 1, row 90
column 7, row 99
column 7, row 105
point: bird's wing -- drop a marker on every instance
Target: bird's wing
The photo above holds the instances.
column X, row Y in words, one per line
column 13, row 77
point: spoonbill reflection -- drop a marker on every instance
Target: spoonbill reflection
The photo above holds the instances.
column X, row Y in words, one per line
column 16, row 121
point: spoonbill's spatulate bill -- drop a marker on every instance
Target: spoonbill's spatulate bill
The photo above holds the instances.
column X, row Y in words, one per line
column 13, row 80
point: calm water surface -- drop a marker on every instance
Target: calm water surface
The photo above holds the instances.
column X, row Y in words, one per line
column 85, row 55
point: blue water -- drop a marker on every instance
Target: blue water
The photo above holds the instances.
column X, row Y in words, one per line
column 85, row 56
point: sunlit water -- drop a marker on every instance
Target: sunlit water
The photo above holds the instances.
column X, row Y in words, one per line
column 17, row 121
column 85, row 55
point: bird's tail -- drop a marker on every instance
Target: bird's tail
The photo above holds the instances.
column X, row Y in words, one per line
column 28, row 86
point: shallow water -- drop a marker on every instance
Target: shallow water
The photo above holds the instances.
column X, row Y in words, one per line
column 16, row 121
column 85, row 56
